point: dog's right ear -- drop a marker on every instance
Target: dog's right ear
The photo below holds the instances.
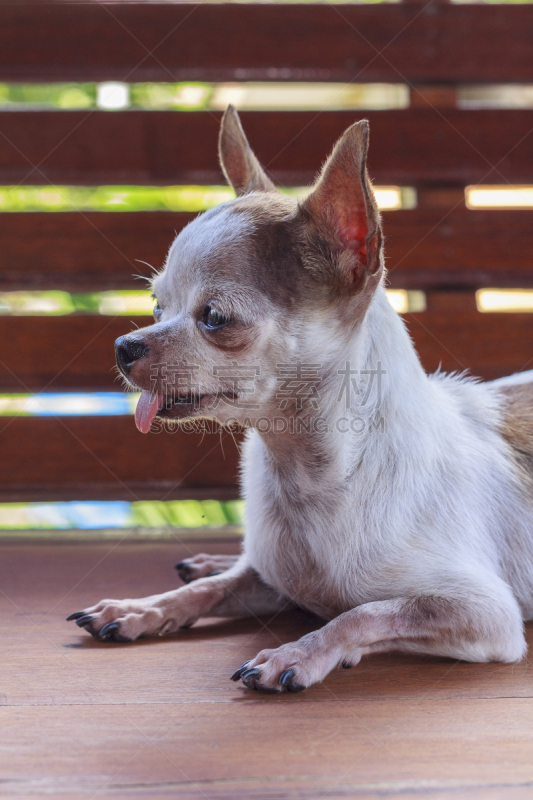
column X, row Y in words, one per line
column 343, row 217
column 239, row 164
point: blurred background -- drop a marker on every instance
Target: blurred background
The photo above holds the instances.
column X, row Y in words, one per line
column 109, row 117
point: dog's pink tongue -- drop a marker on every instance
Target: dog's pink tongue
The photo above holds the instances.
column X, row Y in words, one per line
column 147, row 407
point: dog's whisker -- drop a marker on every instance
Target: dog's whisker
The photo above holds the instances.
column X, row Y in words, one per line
column 154, row 269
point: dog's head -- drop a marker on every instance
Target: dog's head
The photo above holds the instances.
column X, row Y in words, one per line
column 258, row 282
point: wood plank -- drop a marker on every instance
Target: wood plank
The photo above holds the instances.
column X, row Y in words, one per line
column 487, row 345
column 81, row 718
column 53, row 353
column 344, row 43
column 195, row 750
column 76, row 352
column 82, row 252
column 426, row 249
column 132, row 569
column 439, row 248
column 88, row 458
column 412, row 146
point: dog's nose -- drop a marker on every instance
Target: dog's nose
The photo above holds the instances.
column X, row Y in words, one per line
column 128, row 350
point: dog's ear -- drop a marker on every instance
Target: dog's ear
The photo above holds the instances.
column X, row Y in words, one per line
column 239, row 164
column 341, row 212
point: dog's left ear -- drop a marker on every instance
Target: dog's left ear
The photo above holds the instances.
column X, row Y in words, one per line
column 342, row 210
column 239, row 164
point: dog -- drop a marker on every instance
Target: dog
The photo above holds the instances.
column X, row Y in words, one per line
column 401, row 515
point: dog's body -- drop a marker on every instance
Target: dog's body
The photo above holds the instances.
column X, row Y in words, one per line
column 410, row 530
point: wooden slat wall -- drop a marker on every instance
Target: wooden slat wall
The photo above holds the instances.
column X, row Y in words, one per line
column 84, row 252
column 409, row 147
column 106, row 458
column 427, row 248
column 440, row 246
column 172, row 42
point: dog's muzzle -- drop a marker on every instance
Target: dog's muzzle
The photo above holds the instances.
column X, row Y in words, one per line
column 127, row 351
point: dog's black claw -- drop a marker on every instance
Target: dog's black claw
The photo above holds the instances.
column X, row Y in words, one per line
column 108, row 629
column 81, row 622
column 249, row 673
column 237, row 674
column 286, row 680
column 249, row 676
column 215, row 572
column 286, row 677
column 76, row 615
column 346, row 665
column 184, row 570
column 110, row 633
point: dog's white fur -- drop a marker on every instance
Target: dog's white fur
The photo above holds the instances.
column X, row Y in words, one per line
column 434, row 493
column 413, row 532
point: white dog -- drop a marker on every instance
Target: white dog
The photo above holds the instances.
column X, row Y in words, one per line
column 396, row 505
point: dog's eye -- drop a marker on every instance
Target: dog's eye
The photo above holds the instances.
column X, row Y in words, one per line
column 213, row 319
column 157, row 310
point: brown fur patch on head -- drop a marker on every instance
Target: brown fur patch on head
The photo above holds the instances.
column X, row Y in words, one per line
column 517, row 428
column 326, row 249
column 278, row 246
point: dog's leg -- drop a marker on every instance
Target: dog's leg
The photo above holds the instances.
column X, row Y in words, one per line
column 238, row 592
column 203, row 566
column 475, row 628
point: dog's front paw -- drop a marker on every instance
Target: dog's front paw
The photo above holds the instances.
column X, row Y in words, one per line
column 290, row 668
column 122, row 620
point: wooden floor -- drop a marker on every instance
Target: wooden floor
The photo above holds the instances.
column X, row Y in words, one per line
column 161, row 719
